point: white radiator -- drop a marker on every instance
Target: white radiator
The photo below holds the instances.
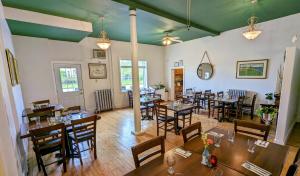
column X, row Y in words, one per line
column 103, row 100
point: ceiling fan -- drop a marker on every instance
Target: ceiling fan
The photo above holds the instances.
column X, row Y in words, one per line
column 168, row 40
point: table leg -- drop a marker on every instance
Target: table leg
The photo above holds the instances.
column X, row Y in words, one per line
column 176, row 123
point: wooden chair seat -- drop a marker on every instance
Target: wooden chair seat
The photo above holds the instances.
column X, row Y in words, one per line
column 167, row 119
column 142, row 147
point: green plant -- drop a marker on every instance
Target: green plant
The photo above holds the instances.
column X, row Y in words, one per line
column 266, row 110
column 269, row 96
column 159, row 86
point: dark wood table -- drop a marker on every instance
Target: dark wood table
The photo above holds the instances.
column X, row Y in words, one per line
column 223, row 102
column 232, row 155
column 177, row 109
column 184, row 167
column 146, row 100
column 28, row 112
column 25, row 127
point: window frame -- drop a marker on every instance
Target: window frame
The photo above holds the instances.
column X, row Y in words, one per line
column 120, row 81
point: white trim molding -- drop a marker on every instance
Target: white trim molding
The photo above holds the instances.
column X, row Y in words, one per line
column 48, row 20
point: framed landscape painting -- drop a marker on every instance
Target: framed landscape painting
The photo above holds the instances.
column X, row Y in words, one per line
column 252, row 69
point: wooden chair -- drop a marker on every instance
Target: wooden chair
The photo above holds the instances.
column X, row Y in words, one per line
column 217, row 105
column 43, row 113
column 49, row 140
column 249, row 128
column 163, row 121
column 191, row 129
column 72, row 110
column 235, row 111
column 40, row 103
column 140, row 148
column 220, row 94
column 185, row 117
column 130, row 98
column 197, row 102
column 205, row 99
column 83, row 130
column 250, row 107
column 293, row 169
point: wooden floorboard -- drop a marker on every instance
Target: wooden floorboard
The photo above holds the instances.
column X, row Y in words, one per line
column 114, row 141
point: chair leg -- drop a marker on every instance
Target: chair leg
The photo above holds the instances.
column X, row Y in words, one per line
column 183, row 121
column 165, row 129
column 252, row 113
column 95, row 148
column 79, row 154
column 43, row 166
column 37, row 160
column 157, row 128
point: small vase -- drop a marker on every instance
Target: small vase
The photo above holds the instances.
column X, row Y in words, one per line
column 205, row 156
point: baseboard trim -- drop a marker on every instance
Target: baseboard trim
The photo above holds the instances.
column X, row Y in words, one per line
column 137, row 133
column 286, row 137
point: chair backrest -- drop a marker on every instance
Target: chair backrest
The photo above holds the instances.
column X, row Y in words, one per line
column 140, row 148
column 43, row 113
column 251, row 128
column 253, row 100
column 220, row 94
column 130, row 94
column 161, row 111
column 195, row 128
column 73, row 109
column 48, row 137
column 211, row 98
column 189, row 91
column 240, row 102
column 207, row 91
column 85, row 127
column 293, row 169
column 40, row 103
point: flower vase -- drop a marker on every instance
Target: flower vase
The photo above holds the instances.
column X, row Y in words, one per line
column 205, row 157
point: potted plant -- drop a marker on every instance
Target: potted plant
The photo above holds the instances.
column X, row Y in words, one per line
column 267, row 114
column 269, row 97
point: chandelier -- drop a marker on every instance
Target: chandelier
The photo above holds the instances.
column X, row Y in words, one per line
column 103, row 42
column 252, row 33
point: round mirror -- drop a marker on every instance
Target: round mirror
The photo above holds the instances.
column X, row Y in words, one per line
column 205, row 71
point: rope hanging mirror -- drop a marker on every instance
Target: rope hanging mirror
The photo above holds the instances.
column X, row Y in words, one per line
column 205, row 69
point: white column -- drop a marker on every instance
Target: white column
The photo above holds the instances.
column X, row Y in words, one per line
column 135, row 73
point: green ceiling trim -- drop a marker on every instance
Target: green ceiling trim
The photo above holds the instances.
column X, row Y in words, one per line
column 159, row 12
column 43, row 31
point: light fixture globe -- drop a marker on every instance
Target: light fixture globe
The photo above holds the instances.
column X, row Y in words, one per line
column 252, row 33
column 103, row 42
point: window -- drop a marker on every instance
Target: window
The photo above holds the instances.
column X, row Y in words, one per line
column 126, row 74
column 68, row 78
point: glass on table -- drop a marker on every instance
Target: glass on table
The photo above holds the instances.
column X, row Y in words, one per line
column 251, row 145
column 171, row 162
column 217, row 140
column 230, row 135
column 216, row 172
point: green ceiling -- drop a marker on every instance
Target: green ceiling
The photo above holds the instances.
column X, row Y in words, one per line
column 218, row 15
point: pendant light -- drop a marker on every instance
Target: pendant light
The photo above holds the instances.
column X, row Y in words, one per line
column 103, row 42
column 252, row 33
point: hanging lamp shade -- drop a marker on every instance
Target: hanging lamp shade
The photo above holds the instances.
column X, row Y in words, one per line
column 252, row 33
column 103, row 42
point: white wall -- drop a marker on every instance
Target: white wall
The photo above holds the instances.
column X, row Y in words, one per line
column 289, row 103
column 36, row 56
column 224, row 50
column 11, row 107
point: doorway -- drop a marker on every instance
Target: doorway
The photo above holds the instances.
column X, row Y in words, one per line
column 177, row 83
column 69, row 88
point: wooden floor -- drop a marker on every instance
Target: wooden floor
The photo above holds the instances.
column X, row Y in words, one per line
column 294, row 139
column 114, row 141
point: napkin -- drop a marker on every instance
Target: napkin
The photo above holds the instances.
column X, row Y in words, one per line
column 183, row 153
column 256, row 169
column 261, row 143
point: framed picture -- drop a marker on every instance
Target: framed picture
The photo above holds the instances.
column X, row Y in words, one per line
column 16, row 69
column 10, row 63
column 252, row 69
column 99, row 53
column 97, row 71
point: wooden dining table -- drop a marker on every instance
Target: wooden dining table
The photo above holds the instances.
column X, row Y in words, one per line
column 232, row 155
column 26, row 127
column 177, row 108
column 223, row 102
column 146, row 100
column 230, row 158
